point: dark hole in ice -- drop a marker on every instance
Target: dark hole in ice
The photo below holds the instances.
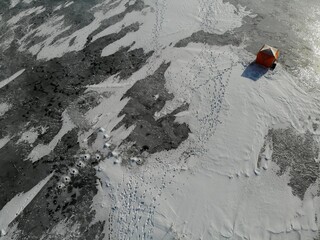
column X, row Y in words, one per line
column 144, row 148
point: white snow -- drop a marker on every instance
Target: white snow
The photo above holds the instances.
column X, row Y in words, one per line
column 4, row 107
column 17, row 204
column 107, row 145
column 62, row 46
column 10, row 79
column 42, row 150
column 66, row 179
column 73, row 171
column 164, row 22
column 14, row 3
column 29, row 136
column 102, row 130
column 4, row 141
column 68, row 4
column 27, row 1
column 102, row 203
column 172, row 21
column 104, row 116
column 80, row 164
column 15, row 19
column 50, row 29
column 215, row 192
column 57, row 8
column 3, row 232
column 209, row 187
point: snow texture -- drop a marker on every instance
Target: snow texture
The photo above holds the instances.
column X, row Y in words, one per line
column 218, row 183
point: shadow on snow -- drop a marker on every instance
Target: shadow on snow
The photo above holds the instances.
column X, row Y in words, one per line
column 254, row 71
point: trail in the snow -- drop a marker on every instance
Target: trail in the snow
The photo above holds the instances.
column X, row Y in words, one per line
column 136, row 198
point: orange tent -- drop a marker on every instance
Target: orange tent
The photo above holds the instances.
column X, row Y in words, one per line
column 267, row 56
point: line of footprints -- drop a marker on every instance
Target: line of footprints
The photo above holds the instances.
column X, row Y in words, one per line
column 82, row 160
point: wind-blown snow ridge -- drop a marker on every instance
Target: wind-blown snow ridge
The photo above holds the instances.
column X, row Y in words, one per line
column 10, row 79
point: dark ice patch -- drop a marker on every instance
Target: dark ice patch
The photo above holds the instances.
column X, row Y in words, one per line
column 17, row 175
column 210, row 38
column 12, row 61
column 43, row 91
column 38, row 98
column 42, row 95
column 296, row 155
column 152, row 135
column 4, row 6
column 72, row 203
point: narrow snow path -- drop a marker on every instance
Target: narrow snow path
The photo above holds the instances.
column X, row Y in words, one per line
column 10, row 79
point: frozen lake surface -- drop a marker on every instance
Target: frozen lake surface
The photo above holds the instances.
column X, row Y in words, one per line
column 147, row 119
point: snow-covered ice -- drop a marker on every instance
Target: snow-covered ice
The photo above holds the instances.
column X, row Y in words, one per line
column 216, row 192
column 212, row 185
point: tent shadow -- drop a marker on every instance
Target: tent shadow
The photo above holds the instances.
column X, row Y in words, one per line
column 254, row 71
